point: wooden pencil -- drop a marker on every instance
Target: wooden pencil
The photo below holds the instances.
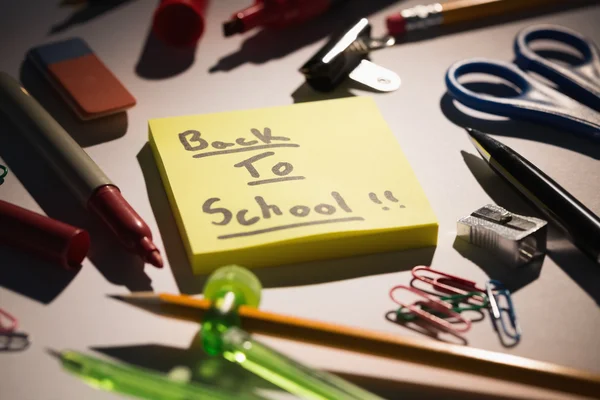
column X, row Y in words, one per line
column 442, row 355
column 457, row 11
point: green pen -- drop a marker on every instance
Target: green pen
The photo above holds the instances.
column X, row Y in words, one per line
column 232, row 286
column 141, row 383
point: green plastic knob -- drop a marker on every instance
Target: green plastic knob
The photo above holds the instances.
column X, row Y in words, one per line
column 227, row 288
column 233, row 278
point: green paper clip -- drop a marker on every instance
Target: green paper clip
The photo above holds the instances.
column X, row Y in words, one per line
column 455, row 300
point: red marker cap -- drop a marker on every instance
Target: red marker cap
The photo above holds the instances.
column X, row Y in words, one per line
column 44, row 237
column 131, row 230
column 396, row 24
column 179, row 22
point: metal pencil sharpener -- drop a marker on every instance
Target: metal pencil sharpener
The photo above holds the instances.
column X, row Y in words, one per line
column 516, row 239
column 346, row 56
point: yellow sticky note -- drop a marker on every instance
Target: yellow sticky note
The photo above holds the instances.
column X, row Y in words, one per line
column 290, row 184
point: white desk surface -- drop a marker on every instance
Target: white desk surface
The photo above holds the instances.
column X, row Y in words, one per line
column 558, row 309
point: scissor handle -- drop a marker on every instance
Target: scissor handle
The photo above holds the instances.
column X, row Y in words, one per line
column 504, row 106
column 582, row 82
column 535, row 102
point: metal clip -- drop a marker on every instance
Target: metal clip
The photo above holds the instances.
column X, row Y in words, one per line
column 517, row 239
column 347, row 56
column 10, row 340
column 496, row 290
column 432, row 310
column 14, row 341
column 405, row 315
column 12, row 322
column 446, row 283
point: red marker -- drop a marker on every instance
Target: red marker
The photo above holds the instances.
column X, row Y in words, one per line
column 276, row 14
column 43, row 237
column 85, row 179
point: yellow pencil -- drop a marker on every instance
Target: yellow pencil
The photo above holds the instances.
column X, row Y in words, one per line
column 457, row 11
column 427, row 352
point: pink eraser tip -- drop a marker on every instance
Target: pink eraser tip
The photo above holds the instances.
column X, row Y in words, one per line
column 396, row 24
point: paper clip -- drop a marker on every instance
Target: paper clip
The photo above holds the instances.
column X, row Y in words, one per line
column 451, row 284
column 455, row 300
column 11, row 320
column 441, row 310
column 3, row 173
column 496, row 289
column 9, row 339
column 14, row 341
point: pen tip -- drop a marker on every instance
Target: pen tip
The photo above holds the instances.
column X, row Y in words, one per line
column 134, row 297
column 54, row 353
column 480, row 140
column 155, row 259
column 476, row 136
column 232, row 27
column 470, row 131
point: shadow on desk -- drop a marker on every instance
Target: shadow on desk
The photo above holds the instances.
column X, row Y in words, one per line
column 30, row 277
column 86, row 13
column 575, row 264
column 268, row 44
column 281, row 276
column 158, row 60
column 508, row 127
column 215, row 372
column 222, row 374
column 304, row 93
column 513, row 278
column 399, row 390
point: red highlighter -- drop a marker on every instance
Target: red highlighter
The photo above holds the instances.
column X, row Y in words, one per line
column 276, row 14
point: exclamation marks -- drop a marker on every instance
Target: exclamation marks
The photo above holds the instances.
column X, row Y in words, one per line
column 388, row 195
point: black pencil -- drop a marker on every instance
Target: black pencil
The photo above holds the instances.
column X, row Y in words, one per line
column 68, row 3
column 76, row 2
column 581, row 224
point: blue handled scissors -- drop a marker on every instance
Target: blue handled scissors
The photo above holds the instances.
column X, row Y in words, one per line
column 537, row 101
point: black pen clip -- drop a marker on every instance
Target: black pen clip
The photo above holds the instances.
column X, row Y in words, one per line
column 347, row 56
column 3, row 173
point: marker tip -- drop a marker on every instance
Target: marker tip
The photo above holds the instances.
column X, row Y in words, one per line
column 155, row 259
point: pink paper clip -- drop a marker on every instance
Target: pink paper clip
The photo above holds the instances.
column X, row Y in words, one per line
column 12, row 322
column 442, row 307
column 447, row 283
